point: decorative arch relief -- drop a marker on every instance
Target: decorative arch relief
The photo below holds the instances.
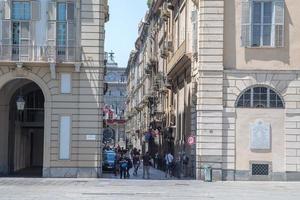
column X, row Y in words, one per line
column 260, row 135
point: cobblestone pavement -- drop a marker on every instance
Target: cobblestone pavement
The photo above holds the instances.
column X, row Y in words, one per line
column 115, row 189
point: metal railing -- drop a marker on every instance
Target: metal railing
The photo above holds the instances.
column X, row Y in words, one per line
column 29, row 53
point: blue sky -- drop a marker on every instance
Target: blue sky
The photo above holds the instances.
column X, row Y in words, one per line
column 122, row 28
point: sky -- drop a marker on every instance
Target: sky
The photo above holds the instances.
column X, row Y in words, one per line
column 122, row 29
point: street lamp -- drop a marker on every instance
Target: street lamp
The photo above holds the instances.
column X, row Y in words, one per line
column 20, row 103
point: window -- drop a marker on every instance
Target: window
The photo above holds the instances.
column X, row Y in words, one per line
column 64, row 138
column 263, row 23
column 260, row 97
column 21, row 10
column 65, row 83
column 61, row 29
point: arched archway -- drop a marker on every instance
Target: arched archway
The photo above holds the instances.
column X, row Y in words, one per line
column 24, row 138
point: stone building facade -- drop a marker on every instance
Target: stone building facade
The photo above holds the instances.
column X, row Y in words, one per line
column 160, row 81
column 245, row 88
column 115, row 103
column 51, row 59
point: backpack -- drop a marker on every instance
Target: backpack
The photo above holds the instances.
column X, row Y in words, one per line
column 124, row 165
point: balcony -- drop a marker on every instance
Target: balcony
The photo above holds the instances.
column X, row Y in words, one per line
column 26, row 53
column 179, row 58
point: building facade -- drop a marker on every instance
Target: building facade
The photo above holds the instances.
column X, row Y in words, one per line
column 160, row 81
column 51, row 60
column 115, row 103
column 244, row 86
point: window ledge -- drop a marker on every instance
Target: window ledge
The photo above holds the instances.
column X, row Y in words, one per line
column 264, row 47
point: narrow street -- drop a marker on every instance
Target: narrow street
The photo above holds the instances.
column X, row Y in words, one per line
column 155, row 174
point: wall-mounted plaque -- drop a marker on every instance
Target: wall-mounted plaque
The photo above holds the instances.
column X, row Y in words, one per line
column 91, row 137
column 260, row 138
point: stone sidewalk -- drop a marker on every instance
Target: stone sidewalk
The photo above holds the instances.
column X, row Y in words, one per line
column 115, row 189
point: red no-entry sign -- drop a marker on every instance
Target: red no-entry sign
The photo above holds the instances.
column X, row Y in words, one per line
column 191, row 140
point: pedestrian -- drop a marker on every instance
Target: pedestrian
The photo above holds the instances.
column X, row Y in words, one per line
column 185, row 162
column 129, row 166
column 136, row 162
column 169, row 160
column 123, row 166
column 117, row 164
column 146, row 165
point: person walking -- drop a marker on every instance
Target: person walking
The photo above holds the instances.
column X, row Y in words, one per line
column 169, row 160
column 185, row 162
column 129, row 166
column 136, row 162
column 123, row 166
column 146, row 165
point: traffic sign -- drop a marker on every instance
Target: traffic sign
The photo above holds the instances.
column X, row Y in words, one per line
column 191, row 140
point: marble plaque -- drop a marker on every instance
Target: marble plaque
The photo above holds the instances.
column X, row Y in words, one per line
column 260, row 136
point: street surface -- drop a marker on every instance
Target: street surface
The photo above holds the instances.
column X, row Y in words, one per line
column 154, row 175
column 139, row 189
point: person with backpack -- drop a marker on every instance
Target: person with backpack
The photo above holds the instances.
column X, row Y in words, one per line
column 123, row 163
column 129, row 166
column 146, row 165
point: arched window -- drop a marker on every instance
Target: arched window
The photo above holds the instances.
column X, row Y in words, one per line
column 259, row 97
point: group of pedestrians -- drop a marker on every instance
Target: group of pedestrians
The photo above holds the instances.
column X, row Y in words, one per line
column 125, row 161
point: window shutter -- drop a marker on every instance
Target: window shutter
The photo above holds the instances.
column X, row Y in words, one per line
column 246, row 24
column 7, row 9
column 2, row 5
column 35, row 10
column 71, row 40
column 52, row 11
column 51, row 33
column 70, row 11
column 51, row 36
column 195, row 31
column 279, row 23
column 6, row 39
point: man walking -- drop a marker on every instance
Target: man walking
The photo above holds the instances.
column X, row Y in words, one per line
column 123, row 167
column 169, row 164
column 146, row 165
column 136, row 162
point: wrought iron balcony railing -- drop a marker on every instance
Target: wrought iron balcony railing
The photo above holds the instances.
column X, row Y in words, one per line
column 26, row 53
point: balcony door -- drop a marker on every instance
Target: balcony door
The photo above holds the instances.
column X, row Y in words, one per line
column 20, row 25
column 21, row 47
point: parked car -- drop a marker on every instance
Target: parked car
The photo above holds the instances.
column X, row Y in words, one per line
column 109, row 160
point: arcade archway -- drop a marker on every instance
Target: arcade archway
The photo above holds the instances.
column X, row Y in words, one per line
column 22, row 131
